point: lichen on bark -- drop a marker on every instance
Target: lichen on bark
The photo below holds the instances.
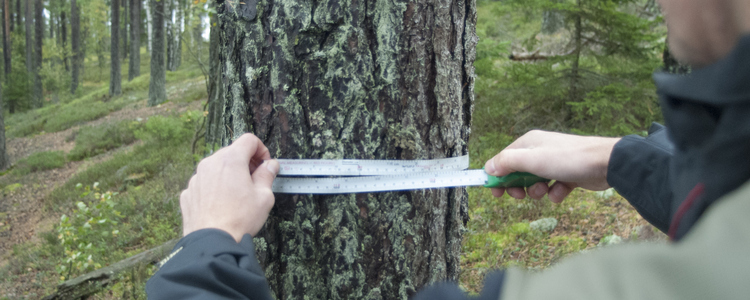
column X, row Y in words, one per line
column 367, row 79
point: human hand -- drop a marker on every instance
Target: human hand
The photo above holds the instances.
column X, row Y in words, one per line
column 231, row 190
column 572, row 160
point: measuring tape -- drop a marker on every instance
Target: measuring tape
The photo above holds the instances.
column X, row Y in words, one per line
column 386, row 175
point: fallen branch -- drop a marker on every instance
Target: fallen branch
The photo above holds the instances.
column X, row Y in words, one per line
column 93, row 282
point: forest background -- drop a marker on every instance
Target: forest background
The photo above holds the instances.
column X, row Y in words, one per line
column 95, row 163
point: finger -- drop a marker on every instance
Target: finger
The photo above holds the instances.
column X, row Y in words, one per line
column 248, row 147
column 538, row 190
column 516, row 192
column 497, row 192
column 513, row 160
column 559, row 190
column 266, row 173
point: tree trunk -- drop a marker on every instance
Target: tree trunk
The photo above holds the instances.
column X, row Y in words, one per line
column 215, row 90
column 174, row 38
column 52, row 17
column 18, row 14
column 29, row 28
column 134, row 67
column 64, row 39
column 38, row 38
column 157, row 92
column 75, row 45
column 354, row 79
column 6, row 39
column 124, row 29
column 149, row 25
column 11, row 15
column 574, row 69
column 4, row 159
column 115, row 78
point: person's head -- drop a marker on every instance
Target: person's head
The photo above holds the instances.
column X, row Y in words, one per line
column 702, row 32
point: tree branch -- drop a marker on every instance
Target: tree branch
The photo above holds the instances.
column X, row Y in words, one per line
column 93, row 282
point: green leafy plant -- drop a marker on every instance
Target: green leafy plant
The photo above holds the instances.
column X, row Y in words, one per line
column 86, row 233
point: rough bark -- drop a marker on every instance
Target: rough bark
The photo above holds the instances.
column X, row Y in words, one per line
column 134, row 66
column 75, row 45
column 215, row 90
column 157, row 92
column 363, row 79
column 37, row 88
column 115, row 77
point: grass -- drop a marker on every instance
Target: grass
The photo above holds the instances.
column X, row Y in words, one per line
column 94, row 140
column 39, row 161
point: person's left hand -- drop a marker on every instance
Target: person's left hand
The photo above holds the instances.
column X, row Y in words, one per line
column 231, row 190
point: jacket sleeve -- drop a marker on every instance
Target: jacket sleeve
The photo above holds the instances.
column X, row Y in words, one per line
column 493, row 284
column 710, row 262
column 639, row 170
column 210, row 264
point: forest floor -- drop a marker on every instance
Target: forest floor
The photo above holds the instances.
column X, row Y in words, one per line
column 28, row 218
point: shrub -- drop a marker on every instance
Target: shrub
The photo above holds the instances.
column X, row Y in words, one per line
column 94, row 140
column 165, row 130
column 85, row 235
column 40, row 161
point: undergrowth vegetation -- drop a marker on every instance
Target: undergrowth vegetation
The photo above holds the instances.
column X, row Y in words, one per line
column 94, row 140
column 124, row 197
column 39, row 161
column 613, row 95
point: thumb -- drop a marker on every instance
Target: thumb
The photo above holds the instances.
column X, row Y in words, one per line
column 266, row 173
column 513, row 160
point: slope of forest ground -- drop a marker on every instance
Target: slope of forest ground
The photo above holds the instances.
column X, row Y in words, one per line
column 96, row 180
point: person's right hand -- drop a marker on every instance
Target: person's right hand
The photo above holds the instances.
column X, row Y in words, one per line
column 231, row 190
column 571, row 160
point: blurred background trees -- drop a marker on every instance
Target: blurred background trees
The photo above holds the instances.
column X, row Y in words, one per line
column 580, row 66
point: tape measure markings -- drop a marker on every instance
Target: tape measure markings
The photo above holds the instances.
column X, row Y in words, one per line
column 383, row 183
column 364, row 167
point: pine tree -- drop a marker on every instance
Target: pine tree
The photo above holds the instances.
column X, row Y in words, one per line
column 353, row 81
column 37, row 88
column 134, row 65
column 157, row 92
column 75, row 43
column 115, row 79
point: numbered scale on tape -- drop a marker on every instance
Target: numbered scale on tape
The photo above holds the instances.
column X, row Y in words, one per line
column 363, row 176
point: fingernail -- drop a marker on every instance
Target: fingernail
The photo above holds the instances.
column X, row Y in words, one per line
column 489, row 167
column 272, row 166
